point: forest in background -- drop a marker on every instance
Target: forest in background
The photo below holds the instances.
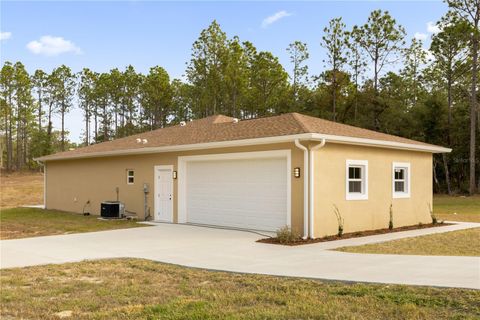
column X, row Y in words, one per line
column 374, row 77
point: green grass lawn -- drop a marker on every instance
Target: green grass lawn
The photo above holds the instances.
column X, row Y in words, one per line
column 457, row 208
column 454, row 243
column 142, row 289
column 28, row 222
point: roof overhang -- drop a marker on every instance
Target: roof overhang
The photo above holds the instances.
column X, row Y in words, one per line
column 382, row 143
column 257, row 141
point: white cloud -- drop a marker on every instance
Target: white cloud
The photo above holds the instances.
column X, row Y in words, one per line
column 275, row 17
column 52, row 46
column 420, row 36
column 5, row 35
column 432, row 27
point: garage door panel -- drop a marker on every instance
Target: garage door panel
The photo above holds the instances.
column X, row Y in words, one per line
column 219, row 201
column 253, row 205
column 237, row 190
column 247, row 193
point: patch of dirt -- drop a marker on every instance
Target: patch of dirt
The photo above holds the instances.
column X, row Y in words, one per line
column 349, row 235
column 67, row 279
column 64, row 314
column 21, row 188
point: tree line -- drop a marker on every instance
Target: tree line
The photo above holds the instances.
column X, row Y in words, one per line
column 431, row 97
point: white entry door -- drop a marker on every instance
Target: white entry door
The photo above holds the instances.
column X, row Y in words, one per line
column 163, row 193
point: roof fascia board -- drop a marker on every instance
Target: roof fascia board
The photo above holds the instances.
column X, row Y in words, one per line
column 380, row 143
column 187, row 147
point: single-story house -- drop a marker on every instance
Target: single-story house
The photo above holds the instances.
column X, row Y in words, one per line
column 263, row 174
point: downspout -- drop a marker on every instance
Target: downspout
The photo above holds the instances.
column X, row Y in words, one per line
column 311, row 191
column 305, row 187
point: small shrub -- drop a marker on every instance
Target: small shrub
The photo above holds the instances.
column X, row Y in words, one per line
column 340, row 220
column 286, row 235
column 432, row 215
column 390, row 223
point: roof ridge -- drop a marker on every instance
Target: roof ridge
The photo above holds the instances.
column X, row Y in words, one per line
column 214, row 119
column 297, row 117
column 219, row 118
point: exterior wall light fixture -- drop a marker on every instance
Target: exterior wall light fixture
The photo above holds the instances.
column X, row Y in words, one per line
column 296, row 172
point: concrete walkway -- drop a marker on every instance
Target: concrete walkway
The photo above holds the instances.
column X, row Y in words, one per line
column 237, row 251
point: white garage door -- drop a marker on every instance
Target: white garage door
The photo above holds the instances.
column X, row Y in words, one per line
column 244, row 193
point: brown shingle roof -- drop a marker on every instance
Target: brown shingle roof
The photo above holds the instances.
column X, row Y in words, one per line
column 221, row 128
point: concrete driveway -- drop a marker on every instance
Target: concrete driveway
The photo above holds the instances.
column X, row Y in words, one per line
column 237, row 251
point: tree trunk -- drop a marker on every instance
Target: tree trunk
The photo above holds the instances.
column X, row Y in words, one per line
column 25, row 142
column 96, row 126
column 473, row 111
column 116, row 120
column 375, row 62
column 122, row 121
column 10, row 143
column 6, row 138
column 356, row 98
column 447, row 173
column 49, row 128
column 63, row 128
column 334, row 96
column 376, row 102
column 87, row 126
column 234, row 106
column 19, row 144
column 39, row 111
column 105, row 124
column 449, row 141
column 449, row 97
column 435, row 178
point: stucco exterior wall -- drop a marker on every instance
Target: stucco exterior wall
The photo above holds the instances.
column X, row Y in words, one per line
column 330, row 189
column 71, row 183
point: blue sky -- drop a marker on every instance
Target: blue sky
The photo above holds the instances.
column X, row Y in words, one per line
column 104, row 35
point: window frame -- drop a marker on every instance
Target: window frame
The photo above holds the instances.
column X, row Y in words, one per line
column 130, row 176
column 407, row 179
column 363, row 164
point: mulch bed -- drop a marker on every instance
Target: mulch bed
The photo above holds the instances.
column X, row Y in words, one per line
column 358, row 234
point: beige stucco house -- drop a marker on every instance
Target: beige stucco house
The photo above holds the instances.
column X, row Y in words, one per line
column 258, row 174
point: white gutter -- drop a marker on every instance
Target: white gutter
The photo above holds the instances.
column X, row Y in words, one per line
column 312, row 186
column 381, row 143
column 305, row 187
column 258, row 141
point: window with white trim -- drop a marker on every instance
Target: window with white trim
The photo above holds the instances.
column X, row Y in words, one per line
column 130, row 176
column 401, row 180
column 356, row 187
